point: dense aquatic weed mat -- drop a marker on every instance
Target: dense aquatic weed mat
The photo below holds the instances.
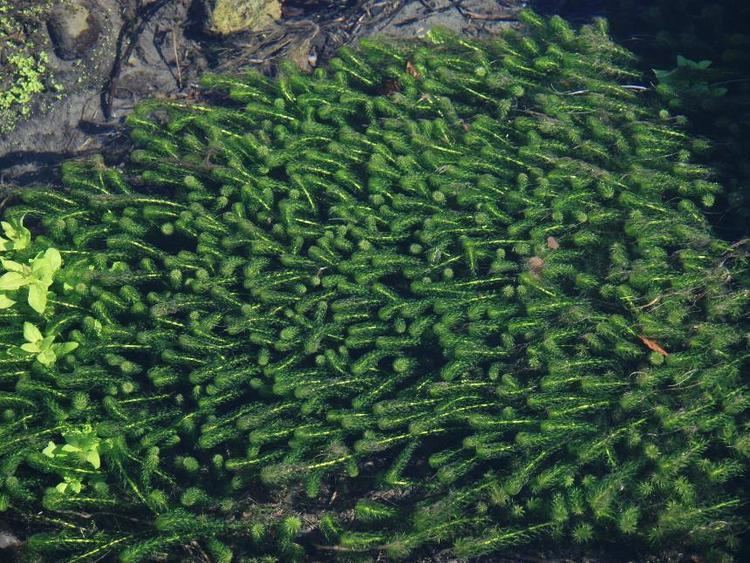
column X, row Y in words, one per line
column 456, row 294
column 696, row 54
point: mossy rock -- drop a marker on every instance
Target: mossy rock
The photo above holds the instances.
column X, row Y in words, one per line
column 450, row 294
column 74, row 29
column 231, row 16
column 23, row 60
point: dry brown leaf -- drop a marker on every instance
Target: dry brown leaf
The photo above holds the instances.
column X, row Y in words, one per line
column 411, row 69
column 653, row 345
column 536, row 266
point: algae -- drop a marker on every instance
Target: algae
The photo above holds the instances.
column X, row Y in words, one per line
column 24, row 71
column 230, row 16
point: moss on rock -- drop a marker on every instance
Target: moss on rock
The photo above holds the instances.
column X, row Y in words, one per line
column 23, row 60
column 231, row 16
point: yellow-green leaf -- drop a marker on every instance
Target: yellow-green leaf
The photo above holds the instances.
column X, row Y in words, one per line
column 12, row 281
column 31, row 333
column 38, row 297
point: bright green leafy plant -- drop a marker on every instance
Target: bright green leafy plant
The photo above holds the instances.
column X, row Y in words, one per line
column 451, row 295
column 18, row 236
column 689, row 83
column 81, row 444
column 44, row 347
column 37, row 276
column 69, row 483
column 82, row 449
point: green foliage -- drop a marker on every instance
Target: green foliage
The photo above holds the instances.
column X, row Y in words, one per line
column 471, row 302
column 38, row 275
column 688, row 83
column 44, row 347
column 83, row 444
column 715, row 99
column 19, row 237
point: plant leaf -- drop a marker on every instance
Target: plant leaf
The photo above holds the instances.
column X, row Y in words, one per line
column 49, row 451
column 12, row 266
column 47, row 358
column 653, row 345
column 6, row 302
column 31, row 347
column 18, row 235
column 45, row 266
column 38, row 297
column 662, row 75
column 55, row 258
column 93, row 458
column 64, row 348
column 31, row 333
column 12, row 281
column 412, row 70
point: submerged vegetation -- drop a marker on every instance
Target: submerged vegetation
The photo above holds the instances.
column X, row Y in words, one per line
column 714, row 34
column 452, row 294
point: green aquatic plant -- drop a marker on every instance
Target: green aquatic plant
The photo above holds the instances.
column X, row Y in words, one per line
column 715, row 99
column 688, row 83
column 44, row 348
column 19, row 237
column 37, row 276
column 446, row 294
column 82, row 444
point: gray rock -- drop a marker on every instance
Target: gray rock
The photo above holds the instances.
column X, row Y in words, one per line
column 73, row 29
column 8, row 540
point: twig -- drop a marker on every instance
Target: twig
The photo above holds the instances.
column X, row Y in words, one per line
column 624, row 86
column 176, row 59
column 341, row 549
column 499, row 17
column 130, row 31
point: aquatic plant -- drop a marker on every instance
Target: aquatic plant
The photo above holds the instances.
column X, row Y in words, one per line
column 451, row 293
column 716, row 98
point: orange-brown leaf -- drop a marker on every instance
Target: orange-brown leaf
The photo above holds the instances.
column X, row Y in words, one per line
column 653, row 345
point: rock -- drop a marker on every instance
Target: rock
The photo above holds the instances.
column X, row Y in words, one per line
column 303, row 54
column 73, row 30
column 230, row 16
column 8, row 540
